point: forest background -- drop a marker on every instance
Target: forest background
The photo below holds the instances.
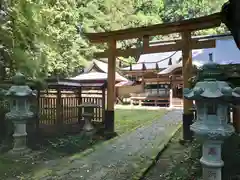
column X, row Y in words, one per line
column 44, row 38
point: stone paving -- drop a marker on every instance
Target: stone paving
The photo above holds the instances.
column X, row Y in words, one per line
column 122, row 158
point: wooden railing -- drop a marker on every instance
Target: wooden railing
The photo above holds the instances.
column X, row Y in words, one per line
column 149, row 99
column 177, row 102
column 163, row 99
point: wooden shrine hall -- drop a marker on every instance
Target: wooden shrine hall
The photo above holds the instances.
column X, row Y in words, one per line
column 186, row 44
column 157, row 80
column 160, row 74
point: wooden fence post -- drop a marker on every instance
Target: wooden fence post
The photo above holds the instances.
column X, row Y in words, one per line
column 59, row 109
column 236, row 119
column 79, row 103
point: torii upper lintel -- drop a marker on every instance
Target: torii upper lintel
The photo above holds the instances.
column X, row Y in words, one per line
column 189, row 25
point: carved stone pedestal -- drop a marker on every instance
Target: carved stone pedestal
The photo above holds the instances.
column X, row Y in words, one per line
column 88, row 127
column 88, row 114
column 211, row 160
column 20, row 144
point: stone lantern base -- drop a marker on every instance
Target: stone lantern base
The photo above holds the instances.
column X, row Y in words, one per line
column 211, row 160
column 19, row 152
column 211, row 173
column 88, row 128
column 20, row 144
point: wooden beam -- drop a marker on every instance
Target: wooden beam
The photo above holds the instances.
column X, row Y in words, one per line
column 187, row 74
column 157, row 49
column 145, row 42
column 109, row 121
column 236, row 119
column 187, row 66
column 159, row 80
column 137, row 72
column 111, row 75
column 195, row 24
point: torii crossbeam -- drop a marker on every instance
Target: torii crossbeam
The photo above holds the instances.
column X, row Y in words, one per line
column 184, row 27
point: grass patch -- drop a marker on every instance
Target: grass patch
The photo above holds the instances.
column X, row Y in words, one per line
column 125, row 120
column 58, row 147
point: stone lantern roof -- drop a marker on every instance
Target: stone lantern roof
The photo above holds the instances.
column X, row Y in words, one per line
column 19, row 89
column 2, row 92
column 210, row 86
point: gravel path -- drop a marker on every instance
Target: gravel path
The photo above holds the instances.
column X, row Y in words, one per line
column 122, row 158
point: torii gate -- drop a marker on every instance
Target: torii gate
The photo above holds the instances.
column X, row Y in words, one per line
column 186, row 44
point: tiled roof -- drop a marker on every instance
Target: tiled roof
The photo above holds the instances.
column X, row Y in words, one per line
column 150, row 60
column 124, row 83
column 103, row 67
column 97, row 76
column 225, row 52
column 170, row 68
column 175, row 66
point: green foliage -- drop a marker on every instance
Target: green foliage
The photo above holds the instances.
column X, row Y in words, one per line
column 41, row 38
column 175, row 10
column 229, row 73
column 3, row 102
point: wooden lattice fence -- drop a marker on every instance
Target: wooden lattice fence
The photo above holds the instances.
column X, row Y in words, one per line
column 57, row 107
column 69, row 112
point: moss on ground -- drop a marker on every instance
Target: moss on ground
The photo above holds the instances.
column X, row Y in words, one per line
column 177, row 162
column 181, row 162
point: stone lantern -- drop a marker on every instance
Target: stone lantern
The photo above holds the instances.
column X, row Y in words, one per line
column 212, row 97
column 88, row 113
column 19, row 96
